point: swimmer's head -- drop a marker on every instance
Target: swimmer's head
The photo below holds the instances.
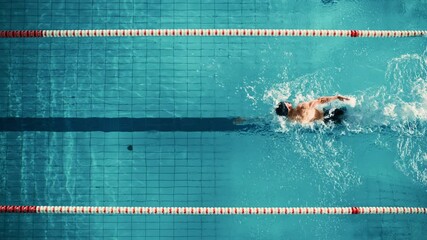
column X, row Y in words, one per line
column 283, row 108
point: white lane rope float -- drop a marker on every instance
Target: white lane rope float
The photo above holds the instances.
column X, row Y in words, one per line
column 211, row 33
column 210, row 210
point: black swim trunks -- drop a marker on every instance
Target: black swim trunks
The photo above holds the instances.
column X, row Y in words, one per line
column 334, row 115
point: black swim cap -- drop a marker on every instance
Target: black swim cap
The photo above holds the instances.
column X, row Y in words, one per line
column 281, row 109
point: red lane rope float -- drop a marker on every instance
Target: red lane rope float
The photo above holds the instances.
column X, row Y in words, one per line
column 210, row 210
column 211, row 32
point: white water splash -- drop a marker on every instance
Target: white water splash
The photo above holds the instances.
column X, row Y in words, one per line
column 329, row 157
column 400, row 105
column 408, row 74
column 352, row 102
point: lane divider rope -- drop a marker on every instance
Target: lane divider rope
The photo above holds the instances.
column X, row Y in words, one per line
column 211, row 210
column 210, row 33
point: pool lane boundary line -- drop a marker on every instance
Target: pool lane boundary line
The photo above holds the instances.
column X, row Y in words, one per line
column 217, row 124
column 211, row 33
column 86, row 210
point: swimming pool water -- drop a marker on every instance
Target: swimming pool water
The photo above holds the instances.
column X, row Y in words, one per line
column 378, row 158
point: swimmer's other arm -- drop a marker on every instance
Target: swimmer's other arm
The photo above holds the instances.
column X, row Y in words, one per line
column 247, row 121
column 323, row 100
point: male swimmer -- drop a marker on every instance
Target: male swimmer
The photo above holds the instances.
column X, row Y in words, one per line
column 307, row 112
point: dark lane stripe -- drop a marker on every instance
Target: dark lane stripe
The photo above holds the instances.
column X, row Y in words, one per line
column 120, row 124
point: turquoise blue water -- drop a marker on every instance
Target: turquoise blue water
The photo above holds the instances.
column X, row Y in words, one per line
column 377, row 158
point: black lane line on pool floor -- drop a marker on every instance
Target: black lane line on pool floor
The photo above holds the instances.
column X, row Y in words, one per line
column 122, row 124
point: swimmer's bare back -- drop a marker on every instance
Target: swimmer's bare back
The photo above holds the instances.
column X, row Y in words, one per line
column 304, row 113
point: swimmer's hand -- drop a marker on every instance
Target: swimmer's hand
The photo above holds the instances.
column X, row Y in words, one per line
column 342, row 98
column 238, row 120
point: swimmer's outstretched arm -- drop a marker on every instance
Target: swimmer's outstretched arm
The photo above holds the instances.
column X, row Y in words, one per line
column 323, row 100
column 246, row 121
